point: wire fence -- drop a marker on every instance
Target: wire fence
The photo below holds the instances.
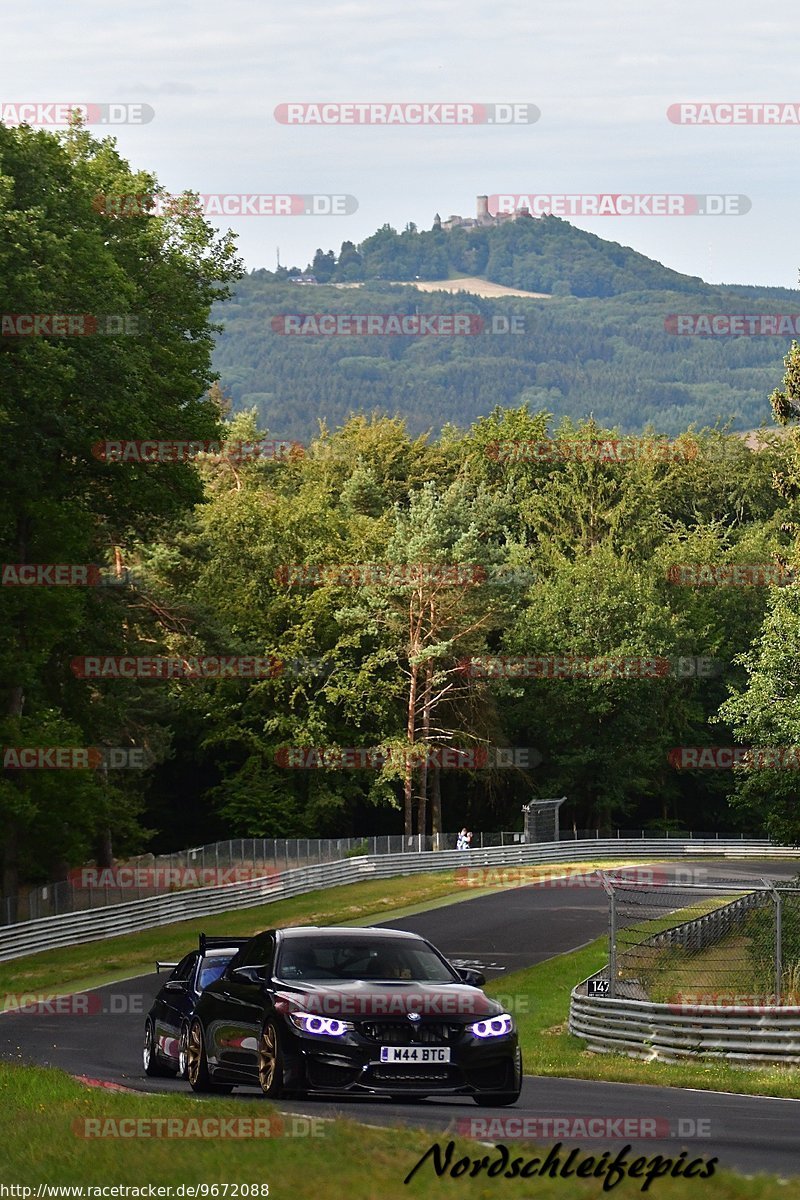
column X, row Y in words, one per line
column 722, row 942
column 236, row 860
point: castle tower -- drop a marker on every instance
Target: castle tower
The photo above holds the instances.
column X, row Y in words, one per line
column 483, row 206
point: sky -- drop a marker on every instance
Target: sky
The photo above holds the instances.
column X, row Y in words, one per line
column 602, row 76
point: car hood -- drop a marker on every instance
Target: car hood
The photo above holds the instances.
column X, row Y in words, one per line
column 365, row 1000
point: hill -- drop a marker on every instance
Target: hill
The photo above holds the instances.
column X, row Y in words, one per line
column 601, row 343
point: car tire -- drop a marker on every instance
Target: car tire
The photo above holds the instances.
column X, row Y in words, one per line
column 197, row 1071
column 153, row 1067
column 271, row 1062
column 183, row 1051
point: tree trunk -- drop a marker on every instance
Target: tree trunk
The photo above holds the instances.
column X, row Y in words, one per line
column 408, row 783
column 426, row 728
column 11, row 830
column 105, row 851
column 436, row 805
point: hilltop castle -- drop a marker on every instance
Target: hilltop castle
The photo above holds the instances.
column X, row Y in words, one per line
column 482, row 219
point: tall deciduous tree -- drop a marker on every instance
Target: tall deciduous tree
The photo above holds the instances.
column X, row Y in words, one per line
column 143, row 286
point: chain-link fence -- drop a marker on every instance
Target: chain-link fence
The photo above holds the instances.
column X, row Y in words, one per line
column 237, row 859
column 232, row 861
column 722, row 942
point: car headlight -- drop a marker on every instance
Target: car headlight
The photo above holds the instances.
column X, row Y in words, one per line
column 323, row 1026
column 492, row 1027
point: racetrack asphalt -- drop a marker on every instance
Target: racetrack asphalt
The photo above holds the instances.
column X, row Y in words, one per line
column 503, row 931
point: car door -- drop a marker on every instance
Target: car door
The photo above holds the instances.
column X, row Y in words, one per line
column 238, row 1006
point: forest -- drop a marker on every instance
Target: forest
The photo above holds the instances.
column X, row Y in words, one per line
column 392, row 584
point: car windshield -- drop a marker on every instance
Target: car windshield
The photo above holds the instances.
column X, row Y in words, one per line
column 385, row 959
column 212, row 968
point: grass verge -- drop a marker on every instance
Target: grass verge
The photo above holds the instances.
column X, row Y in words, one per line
column 43, row 1113
column 548, row 1049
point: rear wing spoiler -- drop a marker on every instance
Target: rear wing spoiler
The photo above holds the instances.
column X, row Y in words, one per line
column 218, row 943
column 208, row 943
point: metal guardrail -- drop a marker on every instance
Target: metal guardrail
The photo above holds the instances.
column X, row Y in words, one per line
column 76, row 928
column 625, row 1021
column 670, row 1033
column 702, row 932
column 235, row 859
column 692, row 936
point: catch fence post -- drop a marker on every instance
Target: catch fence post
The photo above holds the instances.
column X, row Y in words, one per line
column 612, row 934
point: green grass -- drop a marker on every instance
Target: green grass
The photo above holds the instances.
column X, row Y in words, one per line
column 75, row 967
column 42, row 1116
column 548, row 1049
column 38, row 1107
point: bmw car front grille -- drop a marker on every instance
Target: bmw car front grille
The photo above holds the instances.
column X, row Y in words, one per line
column 410, row 1033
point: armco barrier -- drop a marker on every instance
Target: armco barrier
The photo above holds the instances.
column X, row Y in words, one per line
column 75, row 928
column 669, row 1033
column 707, row 930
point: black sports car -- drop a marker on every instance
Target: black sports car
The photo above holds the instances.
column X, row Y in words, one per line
column 166, row 1027
column 337, row 1010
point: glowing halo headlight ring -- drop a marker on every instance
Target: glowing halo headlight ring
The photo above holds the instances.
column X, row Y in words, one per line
column 498, row 1026
column 320, row 1026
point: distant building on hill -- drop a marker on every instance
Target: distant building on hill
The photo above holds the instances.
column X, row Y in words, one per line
column 307, row 279
column 483, row 218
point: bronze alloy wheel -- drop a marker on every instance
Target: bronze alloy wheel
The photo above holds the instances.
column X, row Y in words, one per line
column 268, row 1059
column 194, row 1053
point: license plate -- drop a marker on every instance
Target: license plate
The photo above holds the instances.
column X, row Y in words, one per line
column 415, row 1054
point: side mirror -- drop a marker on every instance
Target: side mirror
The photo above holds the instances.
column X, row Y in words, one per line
column 253, row 975
column 177, row 985
column 474, row 978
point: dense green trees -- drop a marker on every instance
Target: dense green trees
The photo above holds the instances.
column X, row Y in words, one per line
column 501, row 555
column 141, row 288
column 610, row 356
column 577, row 556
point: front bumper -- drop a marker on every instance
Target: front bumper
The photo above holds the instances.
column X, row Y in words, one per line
column 352, row 1064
